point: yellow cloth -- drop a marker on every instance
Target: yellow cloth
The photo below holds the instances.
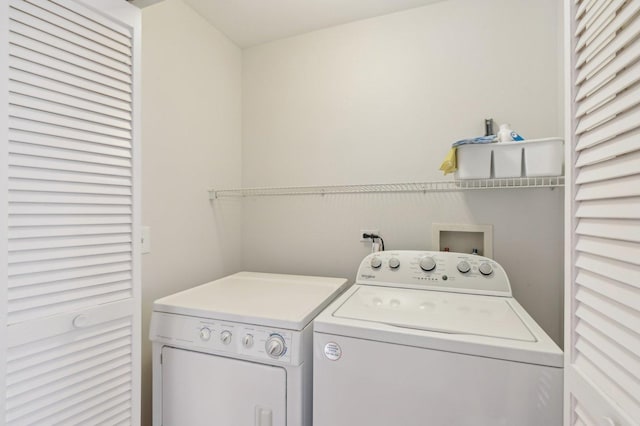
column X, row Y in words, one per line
column 450, row 164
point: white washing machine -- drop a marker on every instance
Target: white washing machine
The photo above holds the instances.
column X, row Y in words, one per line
column 237, row 351
column 433, row 339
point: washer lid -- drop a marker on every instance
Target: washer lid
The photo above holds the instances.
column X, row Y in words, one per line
column 281, row 301
column 437, row 311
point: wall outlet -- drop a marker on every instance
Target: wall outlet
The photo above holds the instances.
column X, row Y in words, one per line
column 368, row 231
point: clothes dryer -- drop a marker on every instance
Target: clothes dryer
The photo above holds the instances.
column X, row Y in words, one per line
column 433, row 339
column 237, row 351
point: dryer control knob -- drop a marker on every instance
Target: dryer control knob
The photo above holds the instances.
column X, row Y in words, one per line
column 275, row 346
column 464, row 266
column 394, row 263
column 485, row 269
column 427, row 263
column 225, row 337
column 247, row 341
column 376, row 262
column 205, row 333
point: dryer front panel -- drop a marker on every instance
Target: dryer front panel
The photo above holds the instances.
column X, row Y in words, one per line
column 201, row 389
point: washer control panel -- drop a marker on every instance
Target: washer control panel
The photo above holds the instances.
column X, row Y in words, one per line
column 255, row 342
column 434, row 270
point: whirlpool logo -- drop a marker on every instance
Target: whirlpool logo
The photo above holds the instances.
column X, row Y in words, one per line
column 367, row 276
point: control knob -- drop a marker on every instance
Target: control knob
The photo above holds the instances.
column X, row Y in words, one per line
column 485, row 269
column 376, row 262
column 427, row 264
column 464, row 267
column 275, row 346
column 205, row 333
column 394, row 263
column 225, row 337
column 247, row 341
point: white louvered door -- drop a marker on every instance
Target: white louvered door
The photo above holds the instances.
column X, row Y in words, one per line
column 602, row 339
column 70, row 306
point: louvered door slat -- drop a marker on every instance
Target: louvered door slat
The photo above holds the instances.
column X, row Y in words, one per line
column 62, row 176
column 39, row 104
column 95, row 403
column 63, row 231
column 616, row 381
column 623, row 230
column 69, row 274
column 46, row 254
column 74, row 241
column 590, row 15
column 628, row 186
column 40, row 185
column 614, row 249
column 620, row 271
column 42, row 20
column 52, row 163
column 65, row 85
column 584, row 417
column 50, row 220
column 79, row 402
column 68, row 263
column 66, row 198
column 599, row 37
column 71, row 303
column 66, row 18
column 28, row 49
column 623, row 144
column 602, row 67
column 44, row 94
column 610, row 328
column 54, row 117
column 622, row 102
column 96, row 22
column 617, row 208
column 111, row 413
column 622, row 80
column 589, row 67
column 589, row 37
column 23, row 354
column 54, row 209
column 621, row 166
column 623, row 123
column 18, row 124
column 28, row 149
column 47, row 68
column 626, row 362
column 77, row 53
column 66, row 187
column 65, row 285
column 85, row 381
column 38, row 139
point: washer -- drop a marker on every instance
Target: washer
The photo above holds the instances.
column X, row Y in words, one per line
column 237, row 351
column 436, row 339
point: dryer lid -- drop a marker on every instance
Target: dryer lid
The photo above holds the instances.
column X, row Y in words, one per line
column 454, row 313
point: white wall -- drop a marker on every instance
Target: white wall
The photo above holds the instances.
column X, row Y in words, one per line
column 191, row 141
column 381, row 100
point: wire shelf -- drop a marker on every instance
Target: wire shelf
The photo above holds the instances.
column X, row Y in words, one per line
column 432, row 186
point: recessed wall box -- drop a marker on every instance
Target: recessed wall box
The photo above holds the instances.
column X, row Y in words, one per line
column 463, row 238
